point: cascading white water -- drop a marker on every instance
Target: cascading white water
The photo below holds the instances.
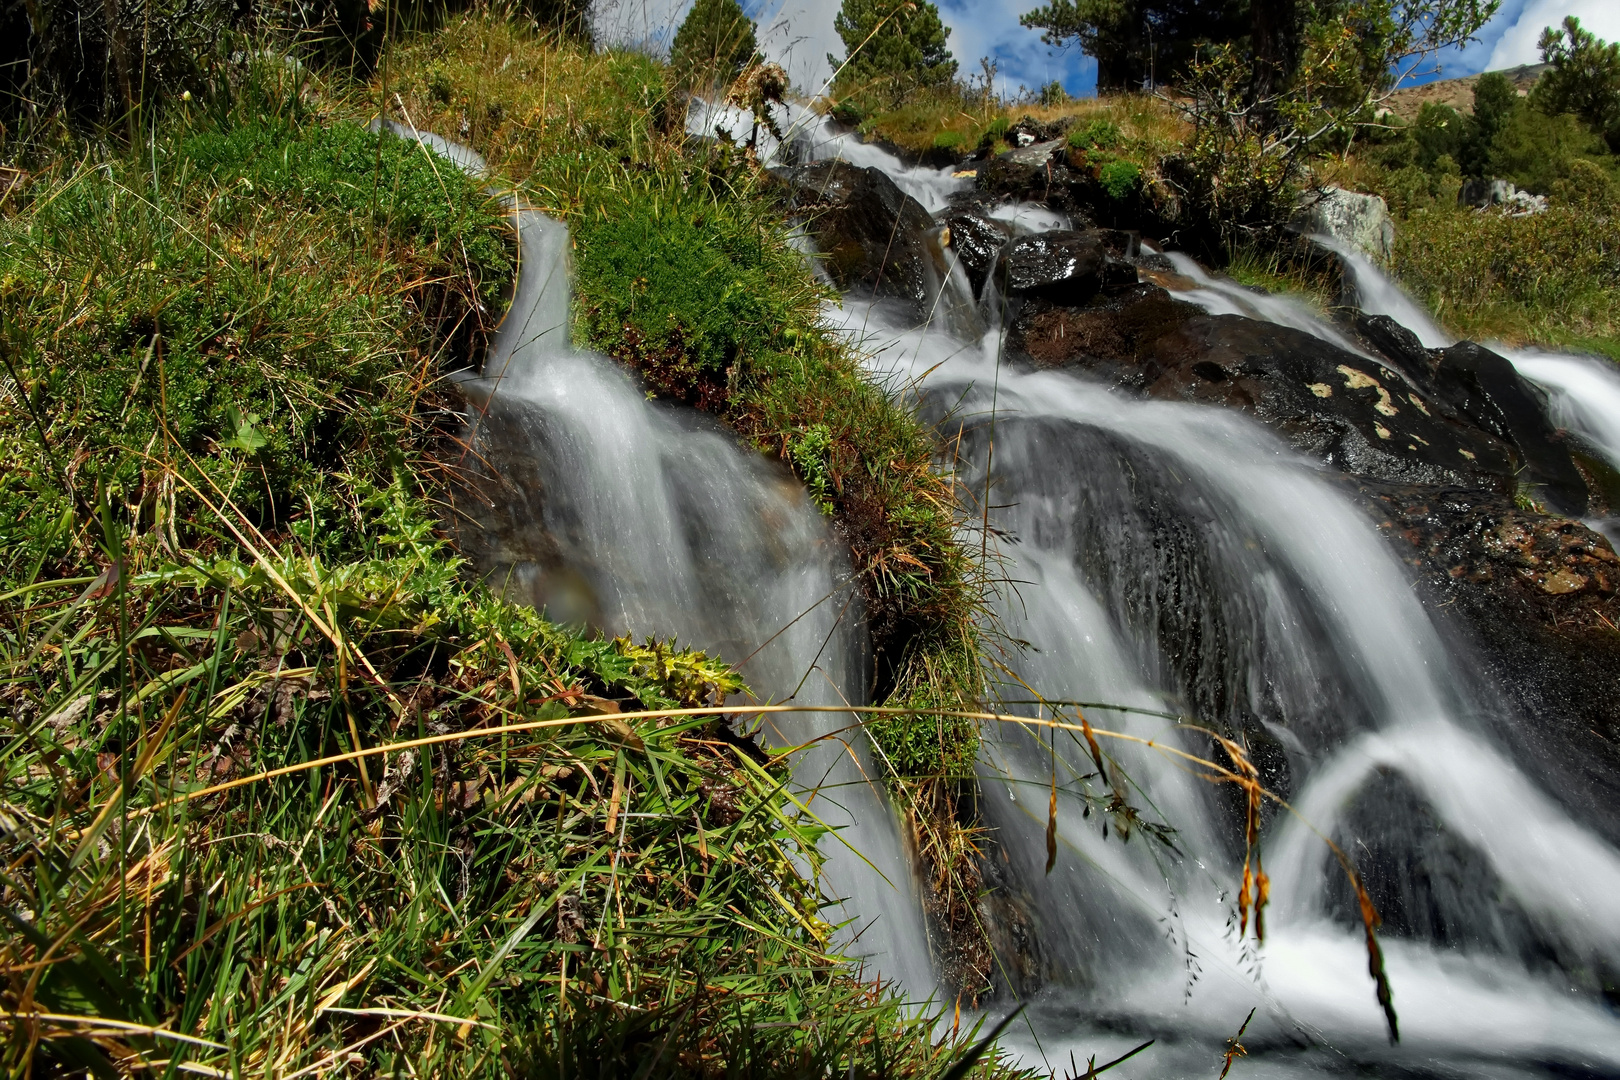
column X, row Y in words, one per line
column 1163, row 558
column 1172, row 558
column 812, row 136
column 1323, row 641
column 1223, row 296
column 655, row 522
column 1583, row 392
column 1376, row 294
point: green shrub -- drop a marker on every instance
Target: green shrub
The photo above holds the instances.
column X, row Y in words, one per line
column 1120, row 178
column 1535, row 150
column 662, row 267
column 809, row 450
column 1439, row 131
column 994, row 132
column 1552, row 277
column 238, row 305
column 1096, row 135
column 950, row 140
column 848, row 112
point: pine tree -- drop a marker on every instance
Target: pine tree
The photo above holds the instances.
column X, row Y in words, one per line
column 1584, row 80
column 714, row 43
column 892, row 46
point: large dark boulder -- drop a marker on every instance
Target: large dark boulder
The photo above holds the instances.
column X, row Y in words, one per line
column 1062, row 267
column 874, row 236
column 1347, row 410
column 1400, row 347
column 977, row 240
column 1111, row 337
column 1492, row 393
column 1538, row 598
column 1034, row 174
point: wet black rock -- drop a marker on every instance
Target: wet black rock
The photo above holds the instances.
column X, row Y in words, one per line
column 1344, row 409
column 1400, row 347
column 1112, row 337
column 1061, row 267
column 1038, row 174
column 1492, row 393
column 874, row 236
column 1538, row 597
column 977, row 240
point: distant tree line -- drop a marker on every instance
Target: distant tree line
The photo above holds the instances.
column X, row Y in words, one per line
column 1561, row 138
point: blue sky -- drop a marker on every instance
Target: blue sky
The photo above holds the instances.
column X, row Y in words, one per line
column 799, row 34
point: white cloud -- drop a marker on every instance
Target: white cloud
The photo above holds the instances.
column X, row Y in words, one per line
column 1517, row 44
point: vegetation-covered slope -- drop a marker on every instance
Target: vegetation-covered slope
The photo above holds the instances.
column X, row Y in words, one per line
column 222, row 599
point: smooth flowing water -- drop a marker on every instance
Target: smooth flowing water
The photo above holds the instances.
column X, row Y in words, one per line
column 651, row 520
column 1175, row 559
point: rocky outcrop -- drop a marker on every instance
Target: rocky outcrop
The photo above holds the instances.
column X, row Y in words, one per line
column 1062, row 267
column 1538, row 597
column 977, row 240
column 1451, row 452
column 1345, row 409
column 873, row 235
column 1113, row 336
column 1350, row 217
column 1039, row 173
column 1491, row 392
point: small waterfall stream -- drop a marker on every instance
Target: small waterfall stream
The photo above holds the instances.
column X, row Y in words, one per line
column 635, row 517
column 651, row 519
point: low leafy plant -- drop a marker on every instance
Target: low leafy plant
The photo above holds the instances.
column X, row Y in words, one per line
column 1120, row 179
column 1100, row 134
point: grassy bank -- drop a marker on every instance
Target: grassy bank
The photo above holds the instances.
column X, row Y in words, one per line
column 1544, row 279
column 222, row 420
column 685, row 273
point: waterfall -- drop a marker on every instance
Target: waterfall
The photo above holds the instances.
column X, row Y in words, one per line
column 1376, row 294
column 1223, row 296
column 648, row 519
column 1177, row 560
column 812, row 136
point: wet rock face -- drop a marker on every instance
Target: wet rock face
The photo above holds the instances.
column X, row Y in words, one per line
column 1111, row 337
column 1539, row 597
column 1034, row 174
column 1060, row 267
column 874, row 236
column 1440, row 446
column 1400, row 347
column 1347, row 410
column 1491, row 392
column 977, row 241
column 1461, row 416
